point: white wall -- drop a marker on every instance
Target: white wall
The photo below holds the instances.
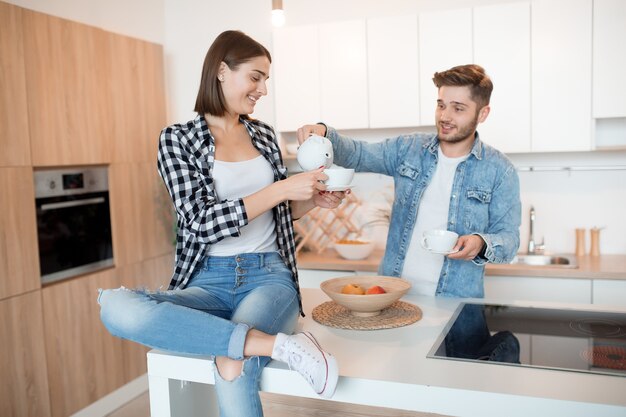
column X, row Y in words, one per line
column 142, row 19
column 190, row 28
column 566, row 200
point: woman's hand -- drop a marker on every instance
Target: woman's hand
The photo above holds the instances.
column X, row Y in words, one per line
column 328, row 199
column 299, row 188
column 304, row 186
column 305, row 131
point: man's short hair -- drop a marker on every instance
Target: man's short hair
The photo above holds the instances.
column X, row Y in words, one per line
column 472, row 76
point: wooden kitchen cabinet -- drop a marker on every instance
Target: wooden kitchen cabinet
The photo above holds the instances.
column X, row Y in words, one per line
column 296, row 69
column 561, row 75
column 609, row 58
column 137, row 98
column 14, row 140
column 343, row 74
column 19, row 262
column 24, row 383
column 85, row 107
column 502, row 47
column 152, row 274
column 392, row 68
column 75, row 95
column 84, row 361
column 445, row 41
column 141, row 213
column 69, row 105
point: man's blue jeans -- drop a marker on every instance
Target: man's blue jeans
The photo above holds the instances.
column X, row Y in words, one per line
column 224, row 299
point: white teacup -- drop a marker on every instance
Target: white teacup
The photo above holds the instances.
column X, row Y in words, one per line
column 338, row 177
column 437, row 240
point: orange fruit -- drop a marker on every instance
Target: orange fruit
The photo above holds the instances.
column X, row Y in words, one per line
column 352, row 289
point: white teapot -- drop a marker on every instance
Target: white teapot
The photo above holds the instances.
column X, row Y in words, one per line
column 315, row 152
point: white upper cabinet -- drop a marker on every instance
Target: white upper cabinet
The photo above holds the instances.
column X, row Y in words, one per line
column 377, row 72
column 502, row 47
column 445, row 41
column 393, row 79
column 297, row 76
column 343, row 74
column 609, row 58
column 561, row 75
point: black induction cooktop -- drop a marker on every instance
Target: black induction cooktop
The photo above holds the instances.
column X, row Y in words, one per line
column 571, row 340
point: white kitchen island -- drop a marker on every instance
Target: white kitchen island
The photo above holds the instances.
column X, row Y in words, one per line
column 390, row 368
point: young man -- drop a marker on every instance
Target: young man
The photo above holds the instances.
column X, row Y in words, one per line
column 451, row 181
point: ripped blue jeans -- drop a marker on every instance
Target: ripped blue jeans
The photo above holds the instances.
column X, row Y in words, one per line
column 226, row 297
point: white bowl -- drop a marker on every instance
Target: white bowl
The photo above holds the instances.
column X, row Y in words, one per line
column 354, row 251
column 367, row 304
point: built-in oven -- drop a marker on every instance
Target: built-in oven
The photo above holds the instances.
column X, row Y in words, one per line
column 73, row 221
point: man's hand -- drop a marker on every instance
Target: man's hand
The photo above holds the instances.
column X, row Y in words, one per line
column 468, row 246
column 305, row 131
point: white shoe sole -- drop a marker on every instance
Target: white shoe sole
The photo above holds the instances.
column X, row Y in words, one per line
column 331, row 377
column 332, row 370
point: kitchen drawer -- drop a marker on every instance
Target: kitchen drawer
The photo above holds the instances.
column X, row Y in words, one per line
column 609, row 292
column 560, row 290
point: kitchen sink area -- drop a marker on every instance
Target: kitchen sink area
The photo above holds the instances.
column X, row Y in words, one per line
column 535, row 256
column 561, row 261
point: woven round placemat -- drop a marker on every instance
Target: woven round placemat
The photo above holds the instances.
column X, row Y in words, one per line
column 398, row 314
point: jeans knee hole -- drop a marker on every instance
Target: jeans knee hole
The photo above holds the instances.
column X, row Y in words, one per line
column 235, row 377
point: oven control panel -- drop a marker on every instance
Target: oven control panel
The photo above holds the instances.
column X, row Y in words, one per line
column 68, row 181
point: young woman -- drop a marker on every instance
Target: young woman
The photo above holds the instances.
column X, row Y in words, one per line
column 234, row 293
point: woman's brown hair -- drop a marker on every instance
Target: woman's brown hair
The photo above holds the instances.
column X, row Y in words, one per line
column 472, row 76
column 233, row 48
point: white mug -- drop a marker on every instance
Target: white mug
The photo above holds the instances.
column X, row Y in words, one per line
column 338, row 177
column 437, row 240
column 315, row 152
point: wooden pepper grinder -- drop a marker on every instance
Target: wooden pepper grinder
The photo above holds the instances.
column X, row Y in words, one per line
column 595, row 242
column 581, row 248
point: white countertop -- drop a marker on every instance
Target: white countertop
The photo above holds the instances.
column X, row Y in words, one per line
column 396, row 357
column 390, row 368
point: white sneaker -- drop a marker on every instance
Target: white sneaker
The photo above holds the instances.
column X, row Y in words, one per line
column 304, row 354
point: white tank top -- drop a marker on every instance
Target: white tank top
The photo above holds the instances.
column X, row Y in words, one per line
column 234, row 180
column 422, row 268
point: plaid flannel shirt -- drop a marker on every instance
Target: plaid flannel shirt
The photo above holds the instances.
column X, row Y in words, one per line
column 185, row 162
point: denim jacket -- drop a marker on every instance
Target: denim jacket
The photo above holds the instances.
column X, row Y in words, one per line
column 485, row 201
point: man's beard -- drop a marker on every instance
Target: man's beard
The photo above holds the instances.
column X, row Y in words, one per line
column 463, row 132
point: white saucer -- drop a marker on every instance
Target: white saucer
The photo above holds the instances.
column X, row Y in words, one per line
column 442, row 253
column 340, row 188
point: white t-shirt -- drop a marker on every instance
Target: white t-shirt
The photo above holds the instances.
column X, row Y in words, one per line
column 235, row 180
column 422, row 268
